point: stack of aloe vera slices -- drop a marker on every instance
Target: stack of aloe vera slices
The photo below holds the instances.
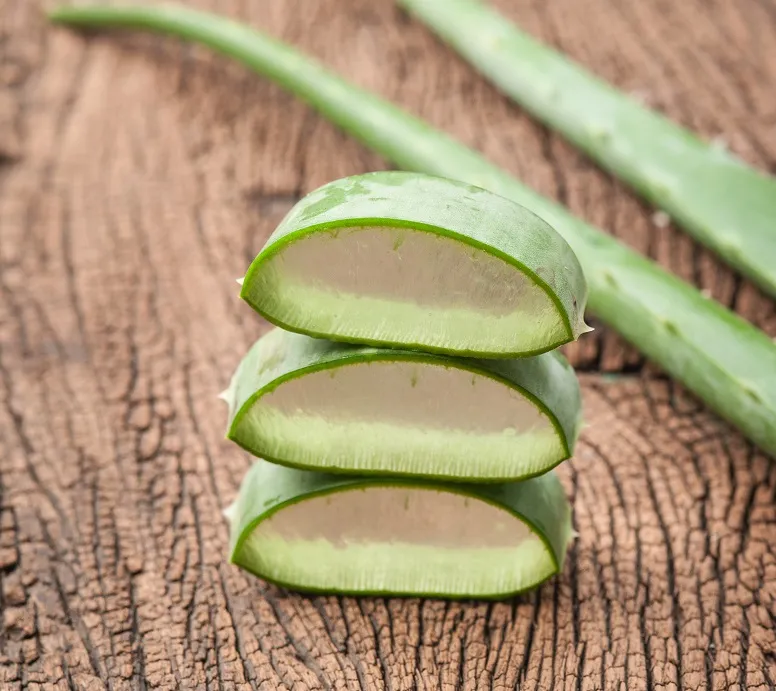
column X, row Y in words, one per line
column 409, row 409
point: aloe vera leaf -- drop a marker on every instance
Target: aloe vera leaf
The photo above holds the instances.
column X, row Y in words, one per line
column 414, row 261
column 321, row 405
column 323, row 533
column 722, row 358
column 724, row 204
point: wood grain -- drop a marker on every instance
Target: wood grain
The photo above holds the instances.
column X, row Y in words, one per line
column 139, row 176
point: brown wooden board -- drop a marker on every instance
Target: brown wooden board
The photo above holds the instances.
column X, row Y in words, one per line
column 138, row 177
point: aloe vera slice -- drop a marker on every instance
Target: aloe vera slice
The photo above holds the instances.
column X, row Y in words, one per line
column 410, row 260
column 722, row 202
column 324, row 533
column 335, row 407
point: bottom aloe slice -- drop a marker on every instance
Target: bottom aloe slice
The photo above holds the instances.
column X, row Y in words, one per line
column 323, row 533
column 335, row 407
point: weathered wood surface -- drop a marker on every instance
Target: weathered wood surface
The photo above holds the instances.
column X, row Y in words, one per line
column 137, row 179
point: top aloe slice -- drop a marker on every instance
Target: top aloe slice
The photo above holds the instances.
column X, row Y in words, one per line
column 723, row 203
column 325, row 533
column 414, row 261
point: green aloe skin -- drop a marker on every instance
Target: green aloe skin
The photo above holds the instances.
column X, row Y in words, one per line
column 323, row 533
column 408, row 260
column 724, row 204
column 722, row 358
column 315, row 404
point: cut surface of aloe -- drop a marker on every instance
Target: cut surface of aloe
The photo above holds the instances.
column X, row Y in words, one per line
column 410, row 260
column 322, row 405
column 324, row 533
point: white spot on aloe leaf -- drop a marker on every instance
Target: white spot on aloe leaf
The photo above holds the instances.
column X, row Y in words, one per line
column 661, row 219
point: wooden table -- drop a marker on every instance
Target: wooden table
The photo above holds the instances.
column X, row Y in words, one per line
column 138, row 177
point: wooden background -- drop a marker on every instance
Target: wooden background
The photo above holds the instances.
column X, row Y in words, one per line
column 139, row 176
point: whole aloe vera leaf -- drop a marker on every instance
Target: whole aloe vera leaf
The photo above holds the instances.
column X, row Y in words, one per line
column 722, row 358
column 724, row 204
